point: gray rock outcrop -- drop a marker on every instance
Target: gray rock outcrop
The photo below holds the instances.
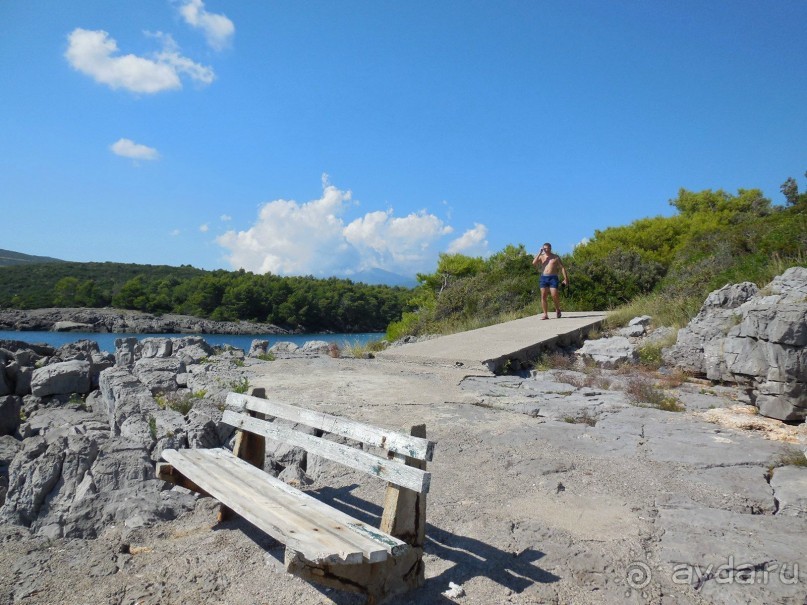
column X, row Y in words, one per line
column 755, row 338
column 258, row 348
column 77, row 465
column 62, row 378
column 609, row 352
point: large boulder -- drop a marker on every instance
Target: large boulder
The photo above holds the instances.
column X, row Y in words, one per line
column 284, row 347
column 62, row 378
column 159, row 374
column 609, row 352
column 126, row 351
column 258, row 348
column 698, row 347
column 320, row 347
column 744, row 336
column 156, row 347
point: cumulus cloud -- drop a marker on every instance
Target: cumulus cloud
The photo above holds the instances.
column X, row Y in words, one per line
column 292, row 238
column 95, row 54
column 472, row 242
column 225, row 218
column 204, row 228
column 127, row 148
column 218, row 29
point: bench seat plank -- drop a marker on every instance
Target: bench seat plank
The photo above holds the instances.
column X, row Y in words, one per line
column 392, row 471
column 316, row 530
column 414, row 447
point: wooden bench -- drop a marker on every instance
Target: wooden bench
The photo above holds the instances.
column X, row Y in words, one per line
column 323, row 544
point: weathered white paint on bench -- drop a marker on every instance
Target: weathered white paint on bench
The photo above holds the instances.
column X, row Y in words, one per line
column 392, row 471
column 321, row 533
column 399, row 443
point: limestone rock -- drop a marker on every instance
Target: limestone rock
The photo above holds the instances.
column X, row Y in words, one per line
column 126, row 351
column 61, row 378
column 283, row 347
column 159, row 374
column 609, row 351
column 129, row 403
column 72, row 326
column 10, row 407
column 320, row 347
column 191, row 349
column 258, row 348
column 789, row 485
column 6, row 387
column 156, row 347
column 699, row 343
column 742, row 336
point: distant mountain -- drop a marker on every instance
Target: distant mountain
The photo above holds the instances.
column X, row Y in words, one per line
column 7, row 257
column 383, row 278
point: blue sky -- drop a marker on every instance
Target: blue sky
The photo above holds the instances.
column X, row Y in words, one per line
column 329, row 137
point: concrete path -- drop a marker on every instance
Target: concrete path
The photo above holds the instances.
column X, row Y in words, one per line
column 490, row 348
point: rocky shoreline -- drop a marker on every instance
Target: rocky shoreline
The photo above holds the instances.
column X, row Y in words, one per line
column 121, row 321
column 567, row 484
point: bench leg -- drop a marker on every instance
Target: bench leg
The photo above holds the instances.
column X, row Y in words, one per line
column 378, row 581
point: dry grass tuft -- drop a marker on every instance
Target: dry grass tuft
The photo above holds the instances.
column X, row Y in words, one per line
column 642, row 391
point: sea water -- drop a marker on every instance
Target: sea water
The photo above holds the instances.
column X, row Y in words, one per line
column 106, row 342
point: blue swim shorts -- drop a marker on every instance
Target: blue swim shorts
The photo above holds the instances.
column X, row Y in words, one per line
column 549, row 281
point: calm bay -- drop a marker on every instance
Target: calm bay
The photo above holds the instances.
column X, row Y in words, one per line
column 106, row 341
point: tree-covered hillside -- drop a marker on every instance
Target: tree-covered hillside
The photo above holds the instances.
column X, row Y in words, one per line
column 668, row 263
column 295, row 302
column 8, row 257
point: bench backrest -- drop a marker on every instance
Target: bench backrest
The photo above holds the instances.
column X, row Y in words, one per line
column 398, row 445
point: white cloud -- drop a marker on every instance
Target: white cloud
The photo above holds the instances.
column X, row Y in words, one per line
column 218, row 29
column 472, row 242
column 94, row 53
column 225, row 218
column 204, row 228
column 292, row 238
column 129, row 149
column 175, row 232
column 582, row 242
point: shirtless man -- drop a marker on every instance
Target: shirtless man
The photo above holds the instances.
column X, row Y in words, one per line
column 550, row 264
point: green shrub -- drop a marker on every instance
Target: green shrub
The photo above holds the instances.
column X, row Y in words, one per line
column 176, row 402
column 643, row 392
column 582, row 418
column 240, row 386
